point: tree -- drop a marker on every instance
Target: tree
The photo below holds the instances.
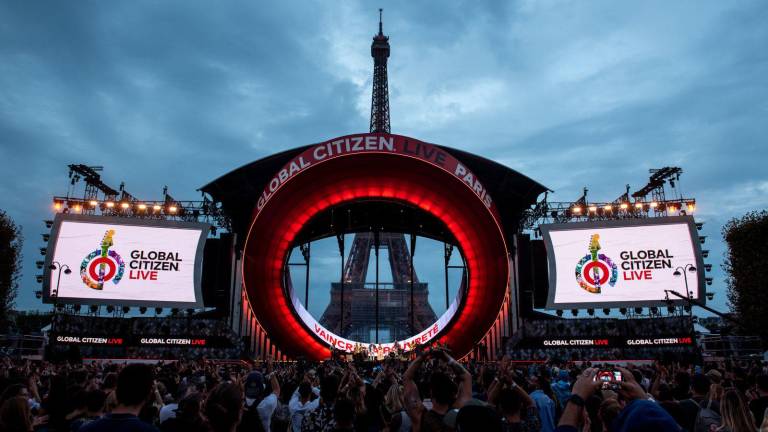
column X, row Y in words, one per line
column 746, row 264
column 11, row 241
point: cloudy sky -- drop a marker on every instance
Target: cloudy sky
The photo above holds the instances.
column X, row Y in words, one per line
column 570, row 93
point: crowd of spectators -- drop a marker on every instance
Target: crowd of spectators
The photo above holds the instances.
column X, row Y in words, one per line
column 576, row 353
column 434, row 392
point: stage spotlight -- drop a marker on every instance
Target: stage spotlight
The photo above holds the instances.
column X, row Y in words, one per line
column 93, row 203
column 43, row 251
column 76, row 207
column 94, row 308
column 48, row 223
column 39, row 278
column 574, row 312
column 110, row 309
column 577, row 210
column 126, row 309
column 143, row 310
column 608, row 207
column 39, row 264
column 172, row 209
column 702, row 239
column 156, row 207
column 109, row 204
column 606, row 311
column 46, row 237
column 638, row 310
column 591, row 312
column 623, row 311
column 654, row 310
column 705, row 253
column 692, row 269
column 158, row 310
column 699, row 225
column 671, row 209
column 174, row 311
column 142, row 207
column 124, row 205
column 559, row 312
column 654, row 204
column 624, row 206
column 639, row 206
column 593, row 209
column 708, row 280
column 710, row 295
column 57, row 206
column 38, row 295
column 691, row 207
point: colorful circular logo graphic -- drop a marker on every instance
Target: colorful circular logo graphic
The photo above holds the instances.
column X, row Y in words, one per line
column 102, row 265
column 596, row 269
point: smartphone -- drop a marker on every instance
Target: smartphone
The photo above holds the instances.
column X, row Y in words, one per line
column 610, row 379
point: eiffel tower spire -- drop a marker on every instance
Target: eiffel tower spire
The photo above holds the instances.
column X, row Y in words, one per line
column 380, row 96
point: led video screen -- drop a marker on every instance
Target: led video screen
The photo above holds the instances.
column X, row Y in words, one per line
column 124, row 261
column 623, row 263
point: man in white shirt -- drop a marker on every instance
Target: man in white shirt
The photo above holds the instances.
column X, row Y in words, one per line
column 268, row 405
column 301, row 404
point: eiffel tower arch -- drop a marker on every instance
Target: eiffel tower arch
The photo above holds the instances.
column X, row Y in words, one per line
column 379, row 311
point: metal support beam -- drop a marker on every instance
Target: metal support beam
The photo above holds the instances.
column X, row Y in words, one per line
column 340, row 240
column 412, row 310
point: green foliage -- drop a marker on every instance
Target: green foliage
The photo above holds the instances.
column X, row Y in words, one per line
column 11, row 242
column 747, row 267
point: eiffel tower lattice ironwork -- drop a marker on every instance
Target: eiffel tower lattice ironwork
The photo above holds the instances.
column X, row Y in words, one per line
column 397, row 309
column 380, row 95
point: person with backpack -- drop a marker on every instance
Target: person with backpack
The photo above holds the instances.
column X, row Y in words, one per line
column 690, row 406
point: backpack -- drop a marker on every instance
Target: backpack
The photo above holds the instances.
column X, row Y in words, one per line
column 706, row 418
column 251, row 422
column 281, row 418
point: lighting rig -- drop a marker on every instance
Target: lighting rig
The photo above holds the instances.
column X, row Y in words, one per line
column 649, row 201
column 98, row 198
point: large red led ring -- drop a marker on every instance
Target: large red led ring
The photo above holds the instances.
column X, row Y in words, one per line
column 373, row 175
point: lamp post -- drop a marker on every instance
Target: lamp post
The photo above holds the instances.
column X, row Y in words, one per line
column 58, row 266
column 684, row 270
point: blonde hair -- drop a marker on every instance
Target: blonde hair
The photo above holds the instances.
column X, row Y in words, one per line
column 393, row 400
column 735, row 414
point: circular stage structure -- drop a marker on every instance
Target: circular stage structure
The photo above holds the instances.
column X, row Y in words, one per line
column 309, row 193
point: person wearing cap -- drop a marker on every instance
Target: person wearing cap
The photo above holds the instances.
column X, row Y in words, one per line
column 254, row 387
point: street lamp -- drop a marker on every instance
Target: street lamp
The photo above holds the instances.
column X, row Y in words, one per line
column 58, row 266
column 683, row 271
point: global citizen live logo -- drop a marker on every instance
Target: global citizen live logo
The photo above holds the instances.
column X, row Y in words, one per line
column 105, row 264
column 596, row 270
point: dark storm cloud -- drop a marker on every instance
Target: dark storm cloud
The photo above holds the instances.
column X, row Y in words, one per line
column 571, row 94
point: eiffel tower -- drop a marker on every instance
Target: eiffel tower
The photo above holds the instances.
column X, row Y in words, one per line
column 386, row 304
